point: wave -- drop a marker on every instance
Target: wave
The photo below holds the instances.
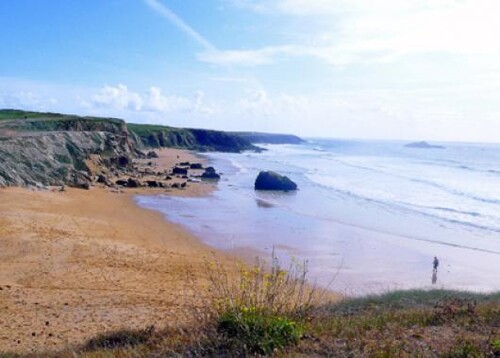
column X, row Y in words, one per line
column 477, row 219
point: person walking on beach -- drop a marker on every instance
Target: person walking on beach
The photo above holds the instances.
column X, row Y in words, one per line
column 435, row 263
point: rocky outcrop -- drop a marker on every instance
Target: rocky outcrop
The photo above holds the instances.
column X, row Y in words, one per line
column 273, row 181
column 423, row 145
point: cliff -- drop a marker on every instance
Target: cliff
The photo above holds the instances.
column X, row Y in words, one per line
column 53, row 149
column 195, row 139
column 56, row 149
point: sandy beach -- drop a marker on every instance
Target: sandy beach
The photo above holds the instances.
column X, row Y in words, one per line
column 76, row 263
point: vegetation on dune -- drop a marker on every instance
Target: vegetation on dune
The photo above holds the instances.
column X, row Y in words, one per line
column 267, row 310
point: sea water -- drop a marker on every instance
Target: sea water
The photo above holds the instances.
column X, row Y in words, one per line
column 368, row 216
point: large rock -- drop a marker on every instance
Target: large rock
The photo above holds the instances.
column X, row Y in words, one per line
column 273, row 181
column 152, row 154
column 81, row 180
column 179, row 171
column 196, row 166
column 210, row 173
column 133, row 183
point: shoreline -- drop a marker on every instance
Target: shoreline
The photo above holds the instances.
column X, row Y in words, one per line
column 76, row 263
column 371, row 258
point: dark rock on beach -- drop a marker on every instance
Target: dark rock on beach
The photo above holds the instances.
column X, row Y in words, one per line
column 153, row 184
column 152, row 154
column 121, row 182
column 81, row 180
column 196, row 166
column 179, row 171
column 133, row 183
column 101, row 178
column 210, row 173
column 273, row 181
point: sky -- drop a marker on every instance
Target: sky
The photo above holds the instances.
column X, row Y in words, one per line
column 374, row 69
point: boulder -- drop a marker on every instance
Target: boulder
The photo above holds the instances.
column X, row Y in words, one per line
column 101, row 178
column 153, row 184
column 185, row 164
column 123, row 161
column 179, row 171
column 133, row 183
column 210, row 173
column 196, row 166
column 152, row 154
column 269, row 180
column 81, row 180
column 121, row 182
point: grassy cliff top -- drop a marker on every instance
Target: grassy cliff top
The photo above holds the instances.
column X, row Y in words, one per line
column 29, row 116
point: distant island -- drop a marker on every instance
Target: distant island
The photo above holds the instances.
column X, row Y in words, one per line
column 423, row 145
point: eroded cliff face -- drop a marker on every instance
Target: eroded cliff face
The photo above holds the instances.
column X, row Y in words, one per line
column 63, row 151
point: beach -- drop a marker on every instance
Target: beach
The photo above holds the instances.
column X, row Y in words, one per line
column 77, row 263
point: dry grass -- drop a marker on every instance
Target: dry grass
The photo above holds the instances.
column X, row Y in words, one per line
column 266, row 286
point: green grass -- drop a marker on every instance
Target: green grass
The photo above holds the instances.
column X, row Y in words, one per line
column 20, row 114
column 145, row 129
column 258, row 331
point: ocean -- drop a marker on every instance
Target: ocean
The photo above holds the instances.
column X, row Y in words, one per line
column 369, row 216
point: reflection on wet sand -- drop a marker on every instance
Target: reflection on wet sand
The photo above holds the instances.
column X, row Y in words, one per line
column 434, row 277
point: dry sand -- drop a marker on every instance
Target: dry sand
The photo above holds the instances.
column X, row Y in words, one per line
column 77, row 263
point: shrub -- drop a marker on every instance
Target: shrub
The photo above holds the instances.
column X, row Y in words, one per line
column 262, row 308
column 257, row 331
column 496, row 347
column 264, row 288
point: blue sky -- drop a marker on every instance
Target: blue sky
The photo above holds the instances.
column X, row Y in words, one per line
column 417, row 69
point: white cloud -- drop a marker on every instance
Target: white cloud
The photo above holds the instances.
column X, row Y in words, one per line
column 374, row 31
column 117, row 97
column 120, row 98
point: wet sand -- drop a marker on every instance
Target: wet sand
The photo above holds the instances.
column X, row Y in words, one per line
column 77, row 263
